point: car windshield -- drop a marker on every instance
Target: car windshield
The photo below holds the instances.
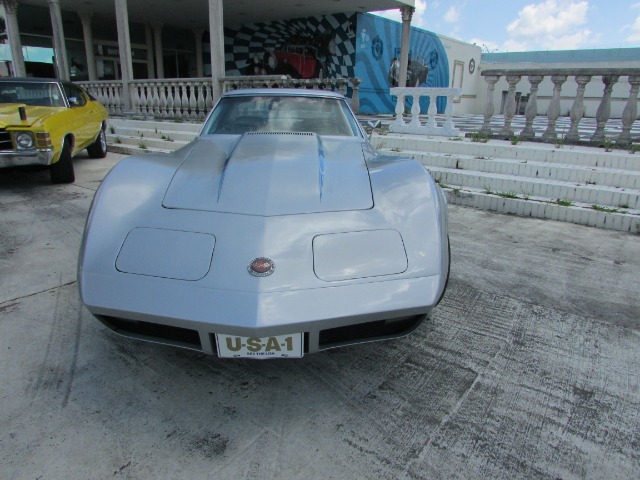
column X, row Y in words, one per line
column 43, row 94
column 279, row 113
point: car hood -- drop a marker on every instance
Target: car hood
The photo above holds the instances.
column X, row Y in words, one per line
column 10, row 117
column 268, row 173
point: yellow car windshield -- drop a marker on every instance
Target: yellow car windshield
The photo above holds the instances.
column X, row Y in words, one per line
column 39, row 94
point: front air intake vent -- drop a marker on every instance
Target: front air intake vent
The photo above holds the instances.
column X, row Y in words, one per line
column 5, row 140
column 308, row 134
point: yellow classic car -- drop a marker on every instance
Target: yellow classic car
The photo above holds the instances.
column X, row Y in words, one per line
column 47, row 122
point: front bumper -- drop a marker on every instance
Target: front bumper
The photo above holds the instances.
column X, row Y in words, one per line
column 27, row 157
column 328, row 317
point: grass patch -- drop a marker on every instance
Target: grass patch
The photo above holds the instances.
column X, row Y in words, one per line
column 507, row 194
column 564, row 203
column 142, row 145
column 515, row 139
column 478, row 137
column 440, row 183
column 607, row 144
column 456, row 139
column 600, row 208
column 560, row 142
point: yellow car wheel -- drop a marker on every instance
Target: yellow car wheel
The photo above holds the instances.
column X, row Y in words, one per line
column 98, row 149
column 62, row 170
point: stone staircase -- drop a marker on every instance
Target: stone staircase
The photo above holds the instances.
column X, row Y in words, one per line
column 583, row 185
column 145, row 136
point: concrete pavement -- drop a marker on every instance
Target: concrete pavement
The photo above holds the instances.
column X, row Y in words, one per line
column 528, row 369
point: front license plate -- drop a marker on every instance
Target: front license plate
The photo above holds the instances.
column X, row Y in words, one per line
column 279, row 346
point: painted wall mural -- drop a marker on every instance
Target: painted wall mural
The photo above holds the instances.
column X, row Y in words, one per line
column 378, row 64
column 303, row 48
column 341, row 45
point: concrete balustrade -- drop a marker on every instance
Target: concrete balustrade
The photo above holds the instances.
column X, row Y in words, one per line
column 413, row 123
column 560, row 78
column 185, row 98
column 192, row 98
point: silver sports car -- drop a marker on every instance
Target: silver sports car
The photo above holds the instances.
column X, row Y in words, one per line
column 279, row 231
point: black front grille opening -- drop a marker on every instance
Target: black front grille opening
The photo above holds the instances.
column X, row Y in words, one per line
column 369, row 331
column 178, row 336
column 5, row 140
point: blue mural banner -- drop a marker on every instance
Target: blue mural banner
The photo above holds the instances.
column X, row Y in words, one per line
column 378, row 63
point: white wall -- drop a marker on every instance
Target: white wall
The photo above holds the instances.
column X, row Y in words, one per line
column 462, row 52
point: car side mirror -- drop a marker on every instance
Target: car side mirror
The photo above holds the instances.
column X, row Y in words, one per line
column 74, row 101
column 373, row 124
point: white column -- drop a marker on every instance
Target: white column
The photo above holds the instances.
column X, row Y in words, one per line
column 510, row 106
column 577, row 109
column 199, row 63
column 124, row 47
column 13, row 34
column 407, row 14
column 58, row 40
column 604, row 109
column 216, row 36
column 151, row 64
column 531, row 110
column 630, row 111
column 157, row 39
column 85, row 18
column 553, row 112
column 488, row 109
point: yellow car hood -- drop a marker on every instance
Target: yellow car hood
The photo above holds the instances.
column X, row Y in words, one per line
column 10, row 117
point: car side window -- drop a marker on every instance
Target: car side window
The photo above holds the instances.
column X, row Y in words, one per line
column 74, row 92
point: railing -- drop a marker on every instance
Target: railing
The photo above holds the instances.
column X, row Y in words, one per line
column 192, row 98
column 414, row 124
column 184, row 98
column 582, row 77
column 349, row 87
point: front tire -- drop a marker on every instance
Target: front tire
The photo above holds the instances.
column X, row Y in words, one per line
column 62, row 170
column 446, row 283
column 98, row 149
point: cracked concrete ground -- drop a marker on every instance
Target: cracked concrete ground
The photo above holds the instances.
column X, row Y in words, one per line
column 528, row 369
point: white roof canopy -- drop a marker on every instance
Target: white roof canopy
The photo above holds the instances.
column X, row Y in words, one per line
column 195, row 13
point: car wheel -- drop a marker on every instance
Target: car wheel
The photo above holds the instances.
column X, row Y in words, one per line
column 62, row 170
column 98, row 149
column 446, row 284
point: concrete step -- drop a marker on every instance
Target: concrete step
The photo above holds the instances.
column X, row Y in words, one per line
column 169, row 135
column 143, row 143
column 523, row 151
column 193, row 127
column 129, row 136
column 587, row 186
column 581, row 214
column 126, row 149
column 575, row 174
column 541, row 188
